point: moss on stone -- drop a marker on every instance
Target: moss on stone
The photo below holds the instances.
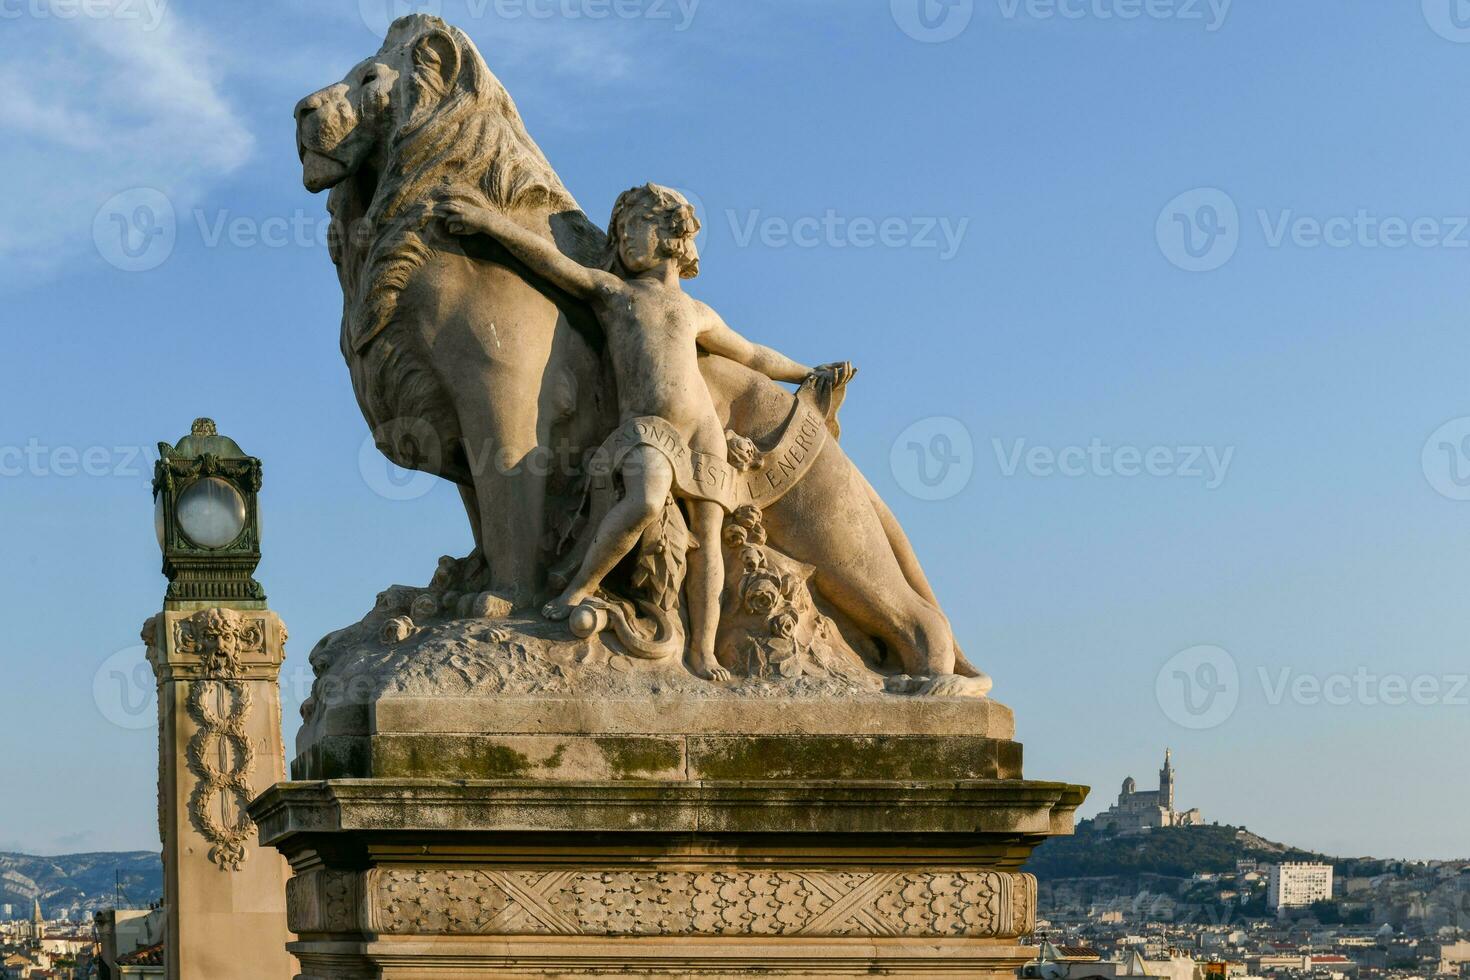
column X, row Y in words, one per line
column 758, row 757
column 631, row 757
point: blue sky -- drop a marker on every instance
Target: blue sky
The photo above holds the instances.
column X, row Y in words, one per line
column 1160, row 310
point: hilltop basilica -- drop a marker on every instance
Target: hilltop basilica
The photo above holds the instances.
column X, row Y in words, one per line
column 1138, row 811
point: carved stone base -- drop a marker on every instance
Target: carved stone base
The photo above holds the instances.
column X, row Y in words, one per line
column 426, row 878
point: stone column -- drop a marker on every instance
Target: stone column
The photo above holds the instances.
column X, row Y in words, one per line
column 219, row 723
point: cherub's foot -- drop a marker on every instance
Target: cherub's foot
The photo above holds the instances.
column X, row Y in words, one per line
column 706, row 666
column 561, row 607
column 955, row 686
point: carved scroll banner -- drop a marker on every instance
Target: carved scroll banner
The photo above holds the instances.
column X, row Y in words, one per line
column 707, row 477
column 801, row 440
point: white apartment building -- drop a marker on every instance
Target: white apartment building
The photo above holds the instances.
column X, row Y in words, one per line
column 1297, row 884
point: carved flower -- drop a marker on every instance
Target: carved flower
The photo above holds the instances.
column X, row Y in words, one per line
column 762, row 596
column 752, row 561
column 397, row 629
column 783, row 624
column 444, row 574
column 742, row 453
column 424, row 607
column 794, row 589
column 748, row 516
column 735, row 536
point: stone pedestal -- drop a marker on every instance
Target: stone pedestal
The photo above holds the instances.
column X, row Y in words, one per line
column 219, row 745
column 719, row 837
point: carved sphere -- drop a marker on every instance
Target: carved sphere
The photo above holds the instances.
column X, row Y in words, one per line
column 586, row 620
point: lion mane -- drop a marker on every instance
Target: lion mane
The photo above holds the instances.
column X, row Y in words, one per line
column 466, row 139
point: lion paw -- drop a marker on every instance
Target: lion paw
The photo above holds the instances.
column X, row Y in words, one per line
column 955, row 686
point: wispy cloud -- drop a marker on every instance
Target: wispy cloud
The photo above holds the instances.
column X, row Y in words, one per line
column 98, row 104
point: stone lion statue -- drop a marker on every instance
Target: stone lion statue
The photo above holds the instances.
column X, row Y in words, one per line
column 467, row 366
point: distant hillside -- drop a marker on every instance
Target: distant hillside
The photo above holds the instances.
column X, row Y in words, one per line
column 1176, row 852
column 72, row 884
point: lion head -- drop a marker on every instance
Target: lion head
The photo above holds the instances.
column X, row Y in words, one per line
column 423, row 115
column 425, row 104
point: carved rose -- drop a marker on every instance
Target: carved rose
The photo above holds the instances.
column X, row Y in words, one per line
column 752, row 560
column 748, row 516
column 742, row 453
column 424, row 607
column 783, row 624
column 762, row 596
column 794, row 589
column 397, row 629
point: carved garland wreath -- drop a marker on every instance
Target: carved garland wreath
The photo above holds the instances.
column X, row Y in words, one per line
column 228, row 843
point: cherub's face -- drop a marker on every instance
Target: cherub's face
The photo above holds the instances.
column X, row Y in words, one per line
column 640, row 247
column 650, row 238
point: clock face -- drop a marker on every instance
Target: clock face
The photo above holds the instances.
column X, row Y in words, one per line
column 211, row 513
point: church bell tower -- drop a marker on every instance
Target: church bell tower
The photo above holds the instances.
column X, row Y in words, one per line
column 1166, row 781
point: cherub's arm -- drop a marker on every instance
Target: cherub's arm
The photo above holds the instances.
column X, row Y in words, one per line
column 539, row 255
column 716, row 337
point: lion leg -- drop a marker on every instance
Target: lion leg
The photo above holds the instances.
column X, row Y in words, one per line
column 828, row 521
column 831, row 519
column 510, row 499
column 912, row 570
column 472, row 511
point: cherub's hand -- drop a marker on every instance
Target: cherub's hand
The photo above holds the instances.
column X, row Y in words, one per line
column 834, row 377
column 463, row 217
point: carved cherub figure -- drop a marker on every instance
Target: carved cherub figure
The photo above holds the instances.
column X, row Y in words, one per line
column 674, row 442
